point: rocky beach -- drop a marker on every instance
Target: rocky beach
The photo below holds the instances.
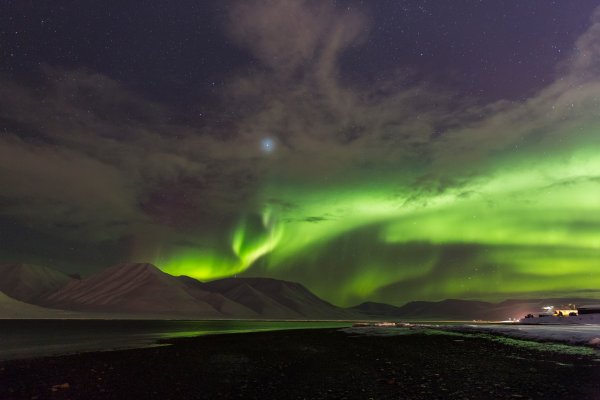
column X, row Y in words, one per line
column 310, row 364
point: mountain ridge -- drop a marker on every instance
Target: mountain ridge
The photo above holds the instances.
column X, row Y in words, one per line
column 27, row 282
column 143, row 289
column 465, row 310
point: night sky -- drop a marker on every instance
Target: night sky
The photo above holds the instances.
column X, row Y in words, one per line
column 372, row 150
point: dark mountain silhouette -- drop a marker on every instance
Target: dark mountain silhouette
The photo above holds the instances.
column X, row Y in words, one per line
column 130, row 288
column 464, row 310
column 143, row 289
column 27, row 282
column 14, row 309
column 442, row 310
column 276, row 297
column 377, row 310
column 451, row 309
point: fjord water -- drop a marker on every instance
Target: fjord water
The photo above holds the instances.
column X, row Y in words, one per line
column 39, row 338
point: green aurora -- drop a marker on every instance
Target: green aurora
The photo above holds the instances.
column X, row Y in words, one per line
column 525, row 227
column 504, row 203
column 337, row 144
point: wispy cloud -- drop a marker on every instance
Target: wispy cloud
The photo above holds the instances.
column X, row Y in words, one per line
column 83, row 156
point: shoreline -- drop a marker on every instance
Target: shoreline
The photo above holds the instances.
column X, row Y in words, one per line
column 580, row 335
column 313, row 363
column 115, row 335
column 134, row 333
column 22, row 339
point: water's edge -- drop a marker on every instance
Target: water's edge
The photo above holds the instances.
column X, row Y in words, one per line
column 24, row 339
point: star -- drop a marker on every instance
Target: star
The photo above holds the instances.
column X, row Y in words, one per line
column 267, row 145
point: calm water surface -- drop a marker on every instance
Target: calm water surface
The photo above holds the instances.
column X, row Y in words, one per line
column 39, row 338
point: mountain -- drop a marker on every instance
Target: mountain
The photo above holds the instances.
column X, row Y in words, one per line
column 516, row 308
column 464, row 310
column 451, row 309
column 376, row 310
column 11, row 308
column 274, row 297
column 143, row 289
column 26, row 282
column 130, row 288
column 140, row 290
column 254, row 303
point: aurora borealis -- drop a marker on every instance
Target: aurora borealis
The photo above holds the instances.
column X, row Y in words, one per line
column 390, row 152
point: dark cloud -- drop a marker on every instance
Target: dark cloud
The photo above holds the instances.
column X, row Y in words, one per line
column 87, row 159
column 315, row 219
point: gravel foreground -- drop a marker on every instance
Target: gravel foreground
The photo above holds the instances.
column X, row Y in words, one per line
column 308, row 364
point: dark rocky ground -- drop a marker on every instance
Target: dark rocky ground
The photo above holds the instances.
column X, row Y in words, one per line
column 308, row 364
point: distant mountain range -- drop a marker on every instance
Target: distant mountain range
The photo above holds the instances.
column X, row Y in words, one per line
column 143, row 291
column 464, row 310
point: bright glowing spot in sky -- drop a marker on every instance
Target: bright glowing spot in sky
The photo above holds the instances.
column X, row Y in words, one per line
column 267, row 145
